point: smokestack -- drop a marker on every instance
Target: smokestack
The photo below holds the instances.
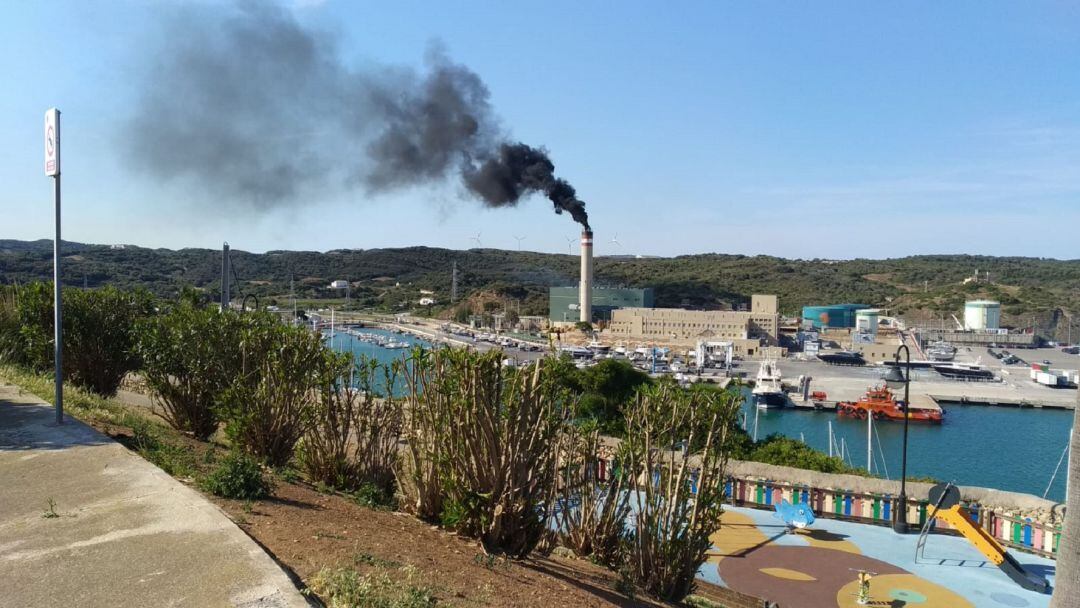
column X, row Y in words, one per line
column 585, row 289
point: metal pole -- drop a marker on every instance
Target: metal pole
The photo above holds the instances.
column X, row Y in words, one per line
column 830, row 440
column 869, row 442
column 900, row 524
column 58, row 321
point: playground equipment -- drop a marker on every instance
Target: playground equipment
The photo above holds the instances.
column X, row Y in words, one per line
column 862, row 596
column 946, row 500
column 794, row 516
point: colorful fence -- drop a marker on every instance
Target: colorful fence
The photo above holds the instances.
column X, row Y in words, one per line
column 1020, row 533
column 1016, row 532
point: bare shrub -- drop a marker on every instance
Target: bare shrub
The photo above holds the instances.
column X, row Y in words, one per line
column 591, row 514
column 676, row 440
column 354, row 436
column 481, row 446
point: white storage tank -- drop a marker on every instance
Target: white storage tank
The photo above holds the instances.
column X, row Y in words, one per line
column 982, row 314
column 339, row 284
column 866, row 321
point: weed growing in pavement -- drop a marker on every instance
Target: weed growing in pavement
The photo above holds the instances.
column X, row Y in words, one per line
column 238, row 476
column 50, row 513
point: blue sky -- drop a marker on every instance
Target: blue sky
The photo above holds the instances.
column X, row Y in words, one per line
column 828, row 129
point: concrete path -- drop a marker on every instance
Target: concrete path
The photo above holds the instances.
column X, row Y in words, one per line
column 125, row 534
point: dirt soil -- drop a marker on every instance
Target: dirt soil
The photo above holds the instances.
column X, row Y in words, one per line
column 306, row 530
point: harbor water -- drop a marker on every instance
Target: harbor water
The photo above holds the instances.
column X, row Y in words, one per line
column 1006, row 448
column 343, row 342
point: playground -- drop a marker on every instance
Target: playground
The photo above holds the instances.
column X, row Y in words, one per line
column 819, row 566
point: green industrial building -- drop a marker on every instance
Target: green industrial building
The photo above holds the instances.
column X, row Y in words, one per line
column 563, row 302
column 834, row 315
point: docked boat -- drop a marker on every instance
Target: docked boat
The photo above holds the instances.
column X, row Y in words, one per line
column 879, row 403
column 842, row 357
column 940, row 351
column 964, row 371
column 768, row 389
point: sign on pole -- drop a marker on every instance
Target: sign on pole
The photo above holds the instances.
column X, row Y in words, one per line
column 52, row 169
column 52, row 142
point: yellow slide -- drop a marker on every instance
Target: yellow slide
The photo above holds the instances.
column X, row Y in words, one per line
column 989, row 546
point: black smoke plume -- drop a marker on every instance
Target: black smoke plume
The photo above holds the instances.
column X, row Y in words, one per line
column 253, row 106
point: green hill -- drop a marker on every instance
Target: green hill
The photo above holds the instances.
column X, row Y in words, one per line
column 1030, row 289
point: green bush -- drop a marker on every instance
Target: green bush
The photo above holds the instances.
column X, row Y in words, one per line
column 190, row 355
column 273, row 402
column 237, row 476
column 11, row 349
column 99, row 333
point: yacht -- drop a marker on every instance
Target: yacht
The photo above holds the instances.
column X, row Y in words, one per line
column 964, row 371
column 842, row 357
column 768, row 391
column 940, row 351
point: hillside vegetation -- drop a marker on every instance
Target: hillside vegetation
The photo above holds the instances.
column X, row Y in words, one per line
column 1030, row 289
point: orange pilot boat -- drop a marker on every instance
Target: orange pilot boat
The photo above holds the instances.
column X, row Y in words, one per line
column 879, row 403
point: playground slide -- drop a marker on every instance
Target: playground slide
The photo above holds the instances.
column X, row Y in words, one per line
column 958, row 518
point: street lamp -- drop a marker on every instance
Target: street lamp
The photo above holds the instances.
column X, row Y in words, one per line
column 895, row 379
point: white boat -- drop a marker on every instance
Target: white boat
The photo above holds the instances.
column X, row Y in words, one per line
column 768, row 391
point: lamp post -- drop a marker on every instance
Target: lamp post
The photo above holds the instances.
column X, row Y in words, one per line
column 894, row 379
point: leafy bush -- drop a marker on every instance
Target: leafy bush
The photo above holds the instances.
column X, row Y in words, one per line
column 237, row 476
column 672, row 523
column 11, row 348
column 788, row 452
column 481, row 447
column 353, row 440
column 272, row 403
column 99, row 333
column 190, row 355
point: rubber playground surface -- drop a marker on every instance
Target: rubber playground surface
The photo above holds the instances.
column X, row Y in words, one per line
column 817, row 567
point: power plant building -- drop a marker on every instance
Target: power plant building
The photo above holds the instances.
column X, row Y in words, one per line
column 748, row 331
column 564, row 303
column 835, row 315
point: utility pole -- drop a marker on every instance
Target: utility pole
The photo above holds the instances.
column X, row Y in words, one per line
column 453, row 283
column 226, row 290
column 52, row 169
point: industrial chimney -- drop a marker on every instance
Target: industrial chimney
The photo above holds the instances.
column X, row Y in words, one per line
column 585, row 290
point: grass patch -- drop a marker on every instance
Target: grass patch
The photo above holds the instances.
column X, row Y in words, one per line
column 382, row 588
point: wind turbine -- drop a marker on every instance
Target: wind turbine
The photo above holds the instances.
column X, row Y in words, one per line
column 570, row 245
column 615, row 241
column 476, row 238
column 519, row 239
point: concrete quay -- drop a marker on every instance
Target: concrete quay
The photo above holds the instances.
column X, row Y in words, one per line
column 118, row 531
column 928, row 390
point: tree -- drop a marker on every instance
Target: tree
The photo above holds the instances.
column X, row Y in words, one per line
column 1067, row 579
